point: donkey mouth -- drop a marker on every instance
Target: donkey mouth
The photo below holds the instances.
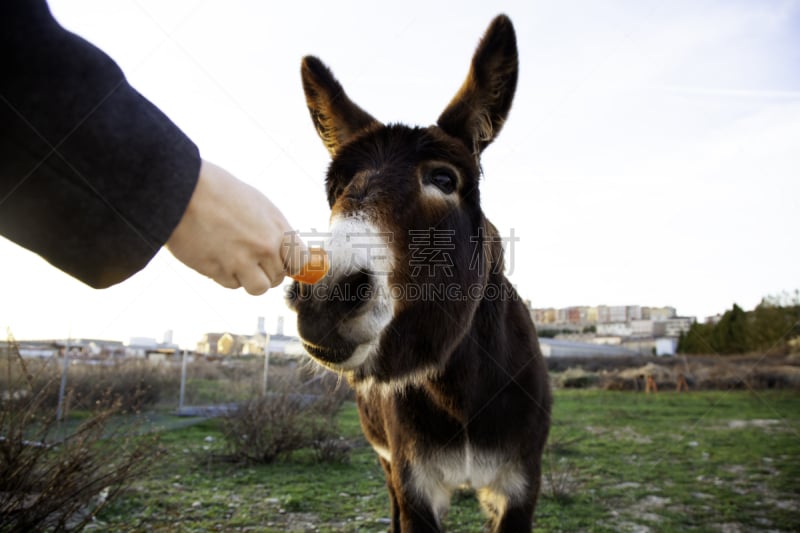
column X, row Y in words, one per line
column 329, row 354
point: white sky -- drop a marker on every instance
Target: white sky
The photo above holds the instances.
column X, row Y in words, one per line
column 652, row 155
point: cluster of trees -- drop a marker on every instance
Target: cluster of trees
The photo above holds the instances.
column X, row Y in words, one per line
column 770, row 326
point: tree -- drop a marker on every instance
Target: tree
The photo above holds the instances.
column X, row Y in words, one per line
column 732, row 334
column 774, row 324
column 697, row 340
column 768, row 327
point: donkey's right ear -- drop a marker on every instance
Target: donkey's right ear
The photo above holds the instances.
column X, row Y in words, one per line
column 335, row 116
column 477, row 112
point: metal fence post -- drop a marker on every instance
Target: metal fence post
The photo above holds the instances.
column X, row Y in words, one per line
column 183, row 381
column 62, row 389
column 266, row 365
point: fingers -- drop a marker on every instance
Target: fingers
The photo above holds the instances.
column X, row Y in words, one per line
column 307, row 265
column 258, row 274
column 235, row 235
column 255, row 281
column 294, row 253
column 315, row 268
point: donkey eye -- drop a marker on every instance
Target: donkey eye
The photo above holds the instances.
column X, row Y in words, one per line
column 443, row 179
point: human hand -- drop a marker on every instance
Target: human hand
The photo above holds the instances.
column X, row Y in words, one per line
column 235, row 235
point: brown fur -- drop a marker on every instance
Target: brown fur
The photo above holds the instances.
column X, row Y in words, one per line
column 449, row 377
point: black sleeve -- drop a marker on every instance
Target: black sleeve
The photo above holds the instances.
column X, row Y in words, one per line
column 93, row 177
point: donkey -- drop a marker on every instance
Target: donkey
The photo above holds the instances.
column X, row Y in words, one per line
column 416, row 311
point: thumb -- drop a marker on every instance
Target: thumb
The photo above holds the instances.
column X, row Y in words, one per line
column 300, row 262
column 294, row 252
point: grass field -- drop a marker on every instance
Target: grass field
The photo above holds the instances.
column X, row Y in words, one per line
column 617, row 461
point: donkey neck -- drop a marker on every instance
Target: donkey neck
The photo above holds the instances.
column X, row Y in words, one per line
column 475, row 368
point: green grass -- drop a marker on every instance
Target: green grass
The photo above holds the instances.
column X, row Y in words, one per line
column 675, row 462
column 617, row 461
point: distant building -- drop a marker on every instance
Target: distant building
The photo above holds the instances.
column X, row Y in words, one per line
column 639, row 329
column 564, row 348
column 150, row 349
column 30, row 349
column 633, row 312
column 140, row 346
column 677, row 325
column 600, row 314
column 666, row 346
column 227, row 344
column 648, row 328
column 658, row 313
column 544, row 316
column 620, row 329
column 88, row 348
column 618, row 314
column 286, row 346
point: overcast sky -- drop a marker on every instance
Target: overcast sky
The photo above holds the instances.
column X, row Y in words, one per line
column 651, row 157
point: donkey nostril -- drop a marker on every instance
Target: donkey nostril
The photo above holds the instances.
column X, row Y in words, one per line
column 291, row 294
column 355, row 289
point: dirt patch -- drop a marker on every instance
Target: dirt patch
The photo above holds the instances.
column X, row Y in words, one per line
column 645, row 510
column 762, row 423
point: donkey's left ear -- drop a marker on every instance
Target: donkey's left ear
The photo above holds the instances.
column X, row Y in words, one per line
column 335, row 116
column 477, row 112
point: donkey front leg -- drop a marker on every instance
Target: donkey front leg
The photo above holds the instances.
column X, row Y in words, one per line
column 515, row 519
column 420, row 500
column 387, row 468
column 510, row 513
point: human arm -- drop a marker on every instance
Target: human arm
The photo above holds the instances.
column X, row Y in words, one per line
column 95, row 178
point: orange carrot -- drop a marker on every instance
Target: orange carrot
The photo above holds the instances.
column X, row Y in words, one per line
column 315, row 268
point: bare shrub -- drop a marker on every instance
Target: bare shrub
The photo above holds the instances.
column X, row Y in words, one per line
column 576, row 378
column 702, row 372
column 265, row 428
column 53, row 477
column 560, row 477
column 271, row 427
column 133, row 384
column 332, row 449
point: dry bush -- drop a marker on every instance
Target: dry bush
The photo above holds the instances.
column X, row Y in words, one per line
column 559, row 477
column 55, row 478
column 773, row 372
column 702, row 372
column 265, row 428
column 332, row 449
column 132, row 384
column 271, row 427
column 602, row 363
column 231, row 380
column 576, row 378
column 328, row 445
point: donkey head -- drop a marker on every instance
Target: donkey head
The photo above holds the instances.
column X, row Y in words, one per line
column 410, row 250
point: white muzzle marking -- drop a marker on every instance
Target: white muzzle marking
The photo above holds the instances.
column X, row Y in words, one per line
column 356, row 244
